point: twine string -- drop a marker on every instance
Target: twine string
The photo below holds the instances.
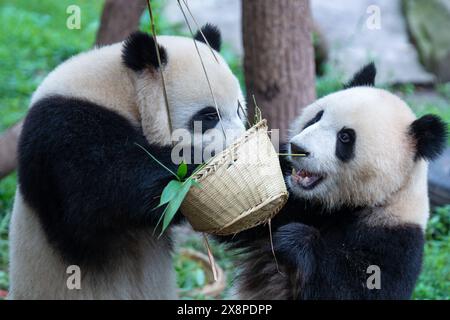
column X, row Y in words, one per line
column 203, row 66
column 158, row 55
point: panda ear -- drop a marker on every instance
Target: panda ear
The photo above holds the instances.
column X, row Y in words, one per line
column 212, row 35
column 139, row 52
column 364, row 77
column 430, row 136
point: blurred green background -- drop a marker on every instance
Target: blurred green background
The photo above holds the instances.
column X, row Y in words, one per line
column 34, row 39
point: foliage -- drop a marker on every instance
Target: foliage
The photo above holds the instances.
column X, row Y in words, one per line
column 439, row 224
column 225, row 258
column 7, row 189
column 174, row 192
column 434, row 281
column 34, row 39
column 330, row 82
column 444, row 89
column 190, row 275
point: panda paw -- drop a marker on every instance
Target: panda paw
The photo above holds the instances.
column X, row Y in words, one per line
column 294, row 244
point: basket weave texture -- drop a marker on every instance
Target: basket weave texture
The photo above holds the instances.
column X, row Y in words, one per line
column 241, row 187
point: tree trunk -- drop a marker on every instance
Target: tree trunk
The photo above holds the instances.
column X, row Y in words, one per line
column 8, row 149
column 279, row 59
column 119, row 19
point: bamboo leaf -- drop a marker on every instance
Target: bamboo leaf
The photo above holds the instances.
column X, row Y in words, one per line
column 182, row 170
column 160, row 219
column 169, row 192
column 175, row 204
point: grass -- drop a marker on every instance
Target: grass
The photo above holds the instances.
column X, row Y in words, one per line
column 434, row 281
column 34, row 39
column 7, row 189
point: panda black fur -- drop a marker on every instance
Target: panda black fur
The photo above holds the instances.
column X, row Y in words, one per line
column 358, row 199
column 86, row 191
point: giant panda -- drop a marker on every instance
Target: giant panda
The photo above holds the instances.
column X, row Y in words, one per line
column 353, row 227
column 86, row 191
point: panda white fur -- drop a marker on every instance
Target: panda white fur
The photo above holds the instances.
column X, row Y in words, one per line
column 357, row 199
column 86, row 192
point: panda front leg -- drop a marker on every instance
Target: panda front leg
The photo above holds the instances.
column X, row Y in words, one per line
column 81, row 171
column 364, row 264
column 297, row 246
column 323, row 267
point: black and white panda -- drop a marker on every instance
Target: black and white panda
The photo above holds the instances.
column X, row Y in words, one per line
column 358, row 201
column 86, row 192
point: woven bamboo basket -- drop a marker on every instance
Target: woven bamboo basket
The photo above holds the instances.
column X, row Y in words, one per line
column 240, row 187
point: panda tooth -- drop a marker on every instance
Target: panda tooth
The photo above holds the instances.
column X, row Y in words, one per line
column 294, row 172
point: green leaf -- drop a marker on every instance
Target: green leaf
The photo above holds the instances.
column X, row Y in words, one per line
column 169, row 192
column 182, row 170
column 160, row 219
column 175, row 204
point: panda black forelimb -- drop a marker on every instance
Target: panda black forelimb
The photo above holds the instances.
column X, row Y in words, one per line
column 78, row 162
column 336, row 265
column 296, row 245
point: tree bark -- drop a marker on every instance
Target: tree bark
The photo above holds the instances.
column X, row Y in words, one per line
column 119, row 19
column 279, row 59
column 8, row 149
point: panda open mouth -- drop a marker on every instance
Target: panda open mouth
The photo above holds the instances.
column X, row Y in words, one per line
column 305, row 179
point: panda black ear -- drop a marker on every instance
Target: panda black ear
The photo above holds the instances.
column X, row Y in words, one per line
column 430, row 135
column 139, row 52
column 364, row 77
column 212, row 35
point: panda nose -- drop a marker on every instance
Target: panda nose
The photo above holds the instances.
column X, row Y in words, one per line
column 296, row 149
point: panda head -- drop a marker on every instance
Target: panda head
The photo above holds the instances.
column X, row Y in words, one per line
column 362, row 145
column 188, row 92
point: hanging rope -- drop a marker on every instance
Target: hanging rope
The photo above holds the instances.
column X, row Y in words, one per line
column 203, row 65
column 166, row 100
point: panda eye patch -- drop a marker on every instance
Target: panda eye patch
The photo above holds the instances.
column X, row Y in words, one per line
column 211, row 116
column 345, row 144
column 208, row 113
column 207, row 116
column 316, row 119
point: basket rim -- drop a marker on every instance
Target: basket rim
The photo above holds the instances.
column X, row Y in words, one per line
column 283, row 195
column 218, row 159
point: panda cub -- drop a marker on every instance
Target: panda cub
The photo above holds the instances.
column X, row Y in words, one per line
column 358, row 202
column 86, row 191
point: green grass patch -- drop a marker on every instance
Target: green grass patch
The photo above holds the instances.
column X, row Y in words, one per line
column 7, row 190
column 434, row 281
column 34, row 39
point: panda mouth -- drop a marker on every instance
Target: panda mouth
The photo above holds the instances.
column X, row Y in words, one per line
column 305, row 179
